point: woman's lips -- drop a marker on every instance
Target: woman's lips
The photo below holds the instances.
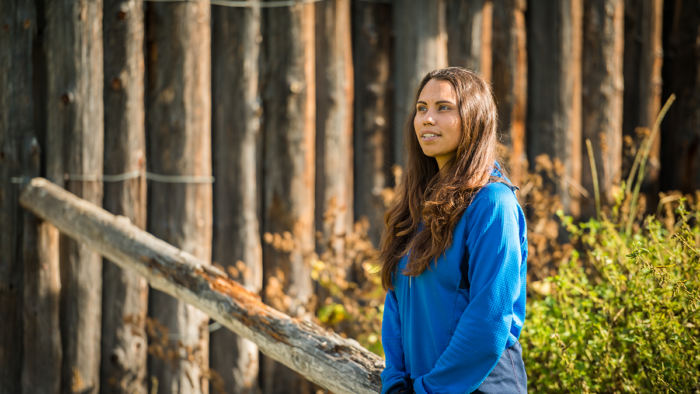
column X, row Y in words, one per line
column 429, row 136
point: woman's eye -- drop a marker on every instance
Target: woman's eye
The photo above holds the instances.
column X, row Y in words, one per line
column 421, row 109
column 445, row 107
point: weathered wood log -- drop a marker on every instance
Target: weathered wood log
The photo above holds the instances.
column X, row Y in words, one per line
column 43, row 356
column 372, row 153
column 236, row 156
column 338, row 364
column 643, row 59
column 554, row 92
column 288, row 92
column 469, row 35
column 178, row 126
column 17, row 130
column 681, row 75
column 420, row 47
column 31, row 355
column 510, row 79
column 601, row 107
column 74, row 129
column 334, row 103
column 124, row 293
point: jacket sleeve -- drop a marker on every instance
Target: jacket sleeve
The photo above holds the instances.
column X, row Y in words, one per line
column 493, row 242
column 394, row 376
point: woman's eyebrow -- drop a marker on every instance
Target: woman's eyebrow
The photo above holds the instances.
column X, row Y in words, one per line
column 437, row 102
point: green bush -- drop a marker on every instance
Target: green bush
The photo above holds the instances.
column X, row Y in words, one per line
column 622, row 313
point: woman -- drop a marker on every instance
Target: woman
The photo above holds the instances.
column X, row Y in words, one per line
column 453, row 256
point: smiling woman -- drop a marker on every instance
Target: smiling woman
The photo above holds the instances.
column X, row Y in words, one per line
column 454, row 251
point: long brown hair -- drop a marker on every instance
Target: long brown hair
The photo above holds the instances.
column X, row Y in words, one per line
column 434, row 199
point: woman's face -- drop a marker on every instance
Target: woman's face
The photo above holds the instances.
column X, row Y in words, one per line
column 437, row 122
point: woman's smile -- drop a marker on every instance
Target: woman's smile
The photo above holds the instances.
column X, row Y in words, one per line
column 429, row 135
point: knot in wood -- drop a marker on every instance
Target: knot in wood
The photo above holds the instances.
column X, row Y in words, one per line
column 116, row 83
column 295, row 87
column 300, row 361
column 34, row 147
column 67, row 98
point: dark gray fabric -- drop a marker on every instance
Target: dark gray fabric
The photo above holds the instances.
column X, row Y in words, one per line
column 509, row 376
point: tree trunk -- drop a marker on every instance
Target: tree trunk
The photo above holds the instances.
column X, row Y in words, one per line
column 40, row 359
column 603, row 44
column 371, row 40
column 179, row 137
column 510, row 79
column 288, row 196
column 125, row 294
column 643, row 58
column 681, row 128
column 469, row 35
column 421, row 47
column 236, row 134
column 554, row 93
column 19, row 157
column 75, row 134
column 334, row 101
column 16, row 124
column 41, row 371
column 487, row 41
column 340, row 365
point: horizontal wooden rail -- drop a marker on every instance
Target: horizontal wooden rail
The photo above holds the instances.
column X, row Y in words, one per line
column 340, row 365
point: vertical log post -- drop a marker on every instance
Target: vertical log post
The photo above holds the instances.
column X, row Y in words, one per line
column 510, row 79
column 421, row 46
column 681, row 72
column 179, row 136
column 487, row 41
column 464, row 33
column 19, row 158
column 43, row 356
column 125, row 294
column 554, row 93
column 236, row 41
column 643, row 58
column 603, row 37
column 288, row 196
column 75, row 134
column 334, row 103
column 371, row 40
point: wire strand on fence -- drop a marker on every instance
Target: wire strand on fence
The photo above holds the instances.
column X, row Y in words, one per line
column 189, row 179
column 245, row 4
column 261, row 4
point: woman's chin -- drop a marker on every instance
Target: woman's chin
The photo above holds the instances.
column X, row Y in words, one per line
column 433, row 154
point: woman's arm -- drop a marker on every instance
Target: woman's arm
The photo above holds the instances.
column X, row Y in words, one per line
column 394, row 376
column 495, row 260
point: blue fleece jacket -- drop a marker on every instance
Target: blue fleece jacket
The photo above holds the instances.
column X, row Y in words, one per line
column 445, row 334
